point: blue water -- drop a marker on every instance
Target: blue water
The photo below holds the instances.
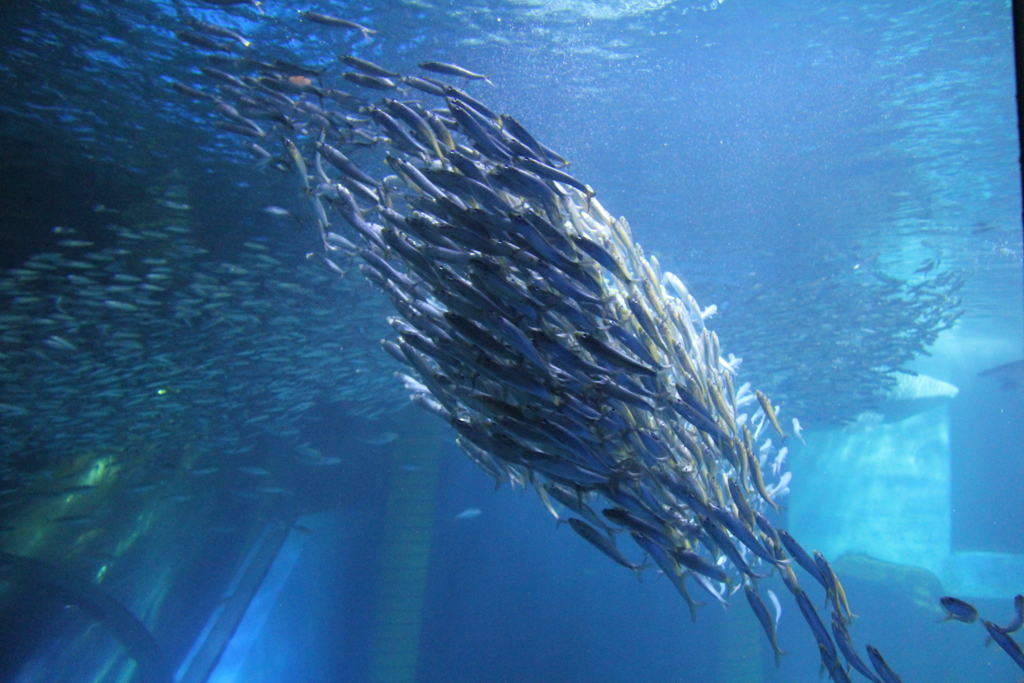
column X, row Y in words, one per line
column 776, row 156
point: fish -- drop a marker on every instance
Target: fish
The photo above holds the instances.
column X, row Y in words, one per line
column 178, row 497
column 452, row 70
column 814, row 621
column 215, row 30
column 741, row 533
column 747, row 513
column 283, row 67
column 1018, row 619
column 344, row 164
column 845, row 644
column 73, row 520
column 761, row 612
column 572, row 500
column 299, row 163
column 275, row 491
column 603, row 543
column 279, row 212
column 381, row 439
column 759, row 484
column 699, row 564
column 551, row 173
column 604, row 351
column 327, row 20
column 201, row 41
column 777, row 463
column 1004, row 641
column 802, row 558
column 798, row 430
column 831, row 587
column 177, row 206
column 368, row 67
column 723, row 543
column 926, row 267
column 958, row 609
column 633, row 522
column 769, row 412
column 680, row 585
column 709, row 588
column 367, row 81
column 881, row 668
column 833, row 666
column 231, row 3
column 661, row 557
column 58, row 342
column 776, row 604
column 427, row 85
column 224, row 77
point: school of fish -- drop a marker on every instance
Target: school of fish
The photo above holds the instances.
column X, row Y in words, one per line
column 120, row 348
column 532, row 323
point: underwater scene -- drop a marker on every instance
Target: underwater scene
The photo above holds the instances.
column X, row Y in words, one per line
column 587, row 341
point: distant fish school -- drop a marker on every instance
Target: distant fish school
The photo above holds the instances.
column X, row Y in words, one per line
column 532, row 323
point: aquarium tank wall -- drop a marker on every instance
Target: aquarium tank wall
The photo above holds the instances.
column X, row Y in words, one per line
column 604, row 341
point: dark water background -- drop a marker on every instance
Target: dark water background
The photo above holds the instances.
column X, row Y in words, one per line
column 755, row 147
